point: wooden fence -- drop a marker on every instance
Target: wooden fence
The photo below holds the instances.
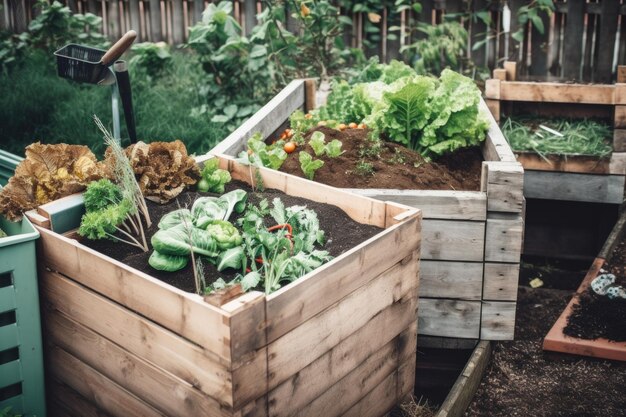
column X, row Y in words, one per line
column 583, row 39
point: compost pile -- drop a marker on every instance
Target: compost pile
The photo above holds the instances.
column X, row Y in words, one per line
column 596, row 316
column 342, row 234
column 395, row 166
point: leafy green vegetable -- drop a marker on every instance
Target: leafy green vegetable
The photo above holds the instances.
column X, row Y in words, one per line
column 213, row 178
column 250, row 280
column 168, row 263
column 101, row 194
column 206, row 209
column 333, row 148
column 103, row 223
column 309, row 165
column 317, row 143
column 234, row 258
column 271, row 156
column 224, row 233
column 181, row 241
column 174, row 218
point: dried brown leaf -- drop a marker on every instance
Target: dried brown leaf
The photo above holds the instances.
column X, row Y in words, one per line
column 163, row 169
column 49, row 172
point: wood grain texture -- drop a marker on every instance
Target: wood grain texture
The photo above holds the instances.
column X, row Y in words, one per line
column 340, row 360
column 619, row 140
column 500, row 281
column 137, row 335
column 619, row 120
column 574, row 187
column 434, row 204
column 449, row 318
column 307, row 342
column 65, row 402
column 503, row 239
column 495, row 147
column 453, row 240
column 615, row 164
column 555, row 92
column 442, row 279
column 465, row 386
column 158, row 388
column 95, row 387
column 505, row 184
column 497, row 320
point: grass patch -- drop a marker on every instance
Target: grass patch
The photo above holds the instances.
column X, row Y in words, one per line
column 577, row 137
column 37, row 105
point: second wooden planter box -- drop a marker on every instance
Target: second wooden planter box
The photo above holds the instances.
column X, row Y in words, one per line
column 339, row 341
column 567, row 177
column 471, row 240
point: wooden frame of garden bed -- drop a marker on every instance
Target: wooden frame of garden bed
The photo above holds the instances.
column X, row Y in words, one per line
column 471, row 241
column 599, row 348
column 568, row 178
column 339, row 341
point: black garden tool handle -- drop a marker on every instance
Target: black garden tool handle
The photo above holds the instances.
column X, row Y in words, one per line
column 123, row 86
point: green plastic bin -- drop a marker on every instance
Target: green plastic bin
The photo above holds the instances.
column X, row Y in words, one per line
column 8, row 163
column 21, row 355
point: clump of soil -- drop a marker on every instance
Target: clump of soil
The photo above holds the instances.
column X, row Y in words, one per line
column 342, row 233
column 395, row 166
column 596, row 316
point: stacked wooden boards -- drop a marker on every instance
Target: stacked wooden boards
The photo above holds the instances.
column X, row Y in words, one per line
column 339, row 341
column 557, row 341
column 471, row 240
column 568, row 178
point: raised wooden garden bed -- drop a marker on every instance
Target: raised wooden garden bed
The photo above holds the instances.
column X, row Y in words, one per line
column 471, row 240
column 339, row 341
column 557, row 341
column 570, row 178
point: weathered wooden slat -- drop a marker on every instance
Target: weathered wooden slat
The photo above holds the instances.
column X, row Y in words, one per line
column 619, row 140
column 500, row 281
column 156, row 31
column 453, row 240
column 184, row 313
column 95, row 387
column 366, row 376
column 503, row 239
column 467, row 383
column 556, row 92
column 505, row 182
column 606, row 39
column 382, row 398
column 497, row 320
column 65, row 402
column 459, row 280
column 295, row 350
column 335, row 364
column 616, row 164
column 435, row 204
column 133, row 11
column 178, row 24
column 619, row 121
column 158, row 388
column 138, row 335
column 574, row 187
column 265, row 121
column 572, row 50
column 449, row 318
column 495, row 147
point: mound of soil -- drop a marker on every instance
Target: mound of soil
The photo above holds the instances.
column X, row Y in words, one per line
column 342, row 234
column 394, row 167
column 597, row 316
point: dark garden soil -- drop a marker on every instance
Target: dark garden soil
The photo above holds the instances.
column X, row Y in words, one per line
column 596, row 316
column 342, row 233
column 523, row 380
column 395, row 166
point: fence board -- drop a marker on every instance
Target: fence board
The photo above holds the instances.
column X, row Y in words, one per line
column 578, row 42
column 607, row 31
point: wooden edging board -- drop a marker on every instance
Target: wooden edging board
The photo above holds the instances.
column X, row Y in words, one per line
column 128, row 344
column 471, row 241
column 463, row 390
column 557, row 341
column 575, row 178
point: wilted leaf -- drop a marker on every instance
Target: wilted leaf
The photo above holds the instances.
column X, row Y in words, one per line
column 49, row 172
